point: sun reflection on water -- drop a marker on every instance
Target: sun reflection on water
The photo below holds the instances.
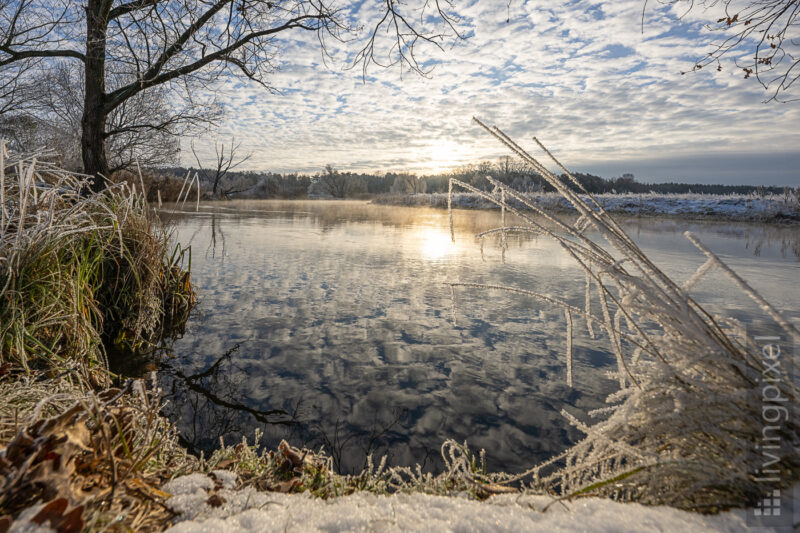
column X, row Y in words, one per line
column 435, row 243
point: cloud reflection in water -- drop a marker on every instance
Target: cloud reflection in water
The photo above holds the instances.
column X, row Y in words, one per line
column 342, row 318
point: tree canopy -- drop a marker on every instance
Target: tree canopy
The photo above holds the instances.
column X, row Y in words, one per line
column 129, row 47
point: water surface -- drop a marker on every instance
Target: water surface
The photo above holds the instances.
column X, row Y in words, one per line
column 330, row 324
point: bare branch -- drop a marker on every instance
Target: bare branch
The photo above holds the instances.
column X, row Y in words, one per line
column 14, row 56
column 146, row 48
column 761, row 29
column 224, row 163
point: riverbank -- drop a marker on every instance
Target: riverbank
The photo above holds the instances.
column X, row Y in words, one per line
column 769, row 208
column 244, row 490
column 83, row 449
column 80, row 272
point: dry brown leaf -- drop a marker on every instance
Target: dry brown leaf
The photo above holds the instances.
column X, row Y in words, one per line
column 55, row 512
column 292, row 454
column 287, row 486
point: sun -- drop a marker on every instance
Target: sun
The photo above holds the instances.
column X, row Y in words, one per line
column 443, row 156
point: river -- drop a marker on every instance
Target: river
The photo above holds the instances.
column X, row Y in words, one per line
column 331, row 324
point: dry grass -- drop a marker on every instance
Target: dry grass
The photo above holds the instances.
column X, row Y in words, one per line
column 77, row 270
column 293, row 470
column 95, row 460
column 152, row 184
column 685, row 426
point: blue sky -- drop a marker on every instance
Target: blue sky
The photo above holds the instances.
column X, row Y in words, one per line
column 603, row 92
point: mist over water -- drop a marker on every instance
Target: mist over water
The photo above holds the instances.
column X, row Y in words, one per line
column 330, row 324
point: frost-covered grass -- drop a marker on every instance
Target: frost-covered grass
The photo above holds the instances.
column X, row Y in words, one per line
column 685, row 427
column 767, row 208
column 77, row 269
column 78, row 458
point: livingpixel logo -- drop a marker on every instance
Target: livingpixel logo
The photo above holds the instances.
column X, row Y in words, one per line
column 769, row 506
column 775, row 507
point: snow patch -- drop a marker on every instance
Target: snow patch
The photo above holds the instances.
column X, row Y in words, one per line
column 189, row 494
column 724, row 206
column 226, row 477
column 249, row 511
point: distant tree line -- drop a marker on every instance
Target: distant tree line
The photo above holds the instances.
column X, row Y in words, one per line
column 628, row 184
column 333, row 183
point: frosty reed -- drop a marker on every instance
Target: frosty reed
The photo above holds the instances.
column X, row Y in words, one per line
column 681, row 429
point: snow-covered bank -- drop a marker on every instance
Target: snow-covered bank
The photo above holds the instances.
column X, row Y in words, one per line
column 247, row 510
column 768, row 208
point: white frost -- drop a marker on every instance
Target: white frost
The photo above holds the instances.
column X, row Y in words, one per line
column 249, row 511
column 226, row 477
column 189, row 494
column 727, row 206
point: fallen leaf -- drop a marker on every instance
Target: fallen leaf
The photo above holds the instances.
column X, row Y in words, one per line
column 215, row 500
column 287, row 486
column 292, row 454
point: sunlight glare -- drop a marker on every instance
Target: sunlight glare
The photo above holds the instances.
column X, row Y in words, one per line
column 444, row 156
column 435, row 243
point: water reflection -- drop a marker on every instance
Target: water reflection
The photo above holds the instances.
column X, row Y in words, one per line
column 341, row 317
column 210, row 398
column 435, row 243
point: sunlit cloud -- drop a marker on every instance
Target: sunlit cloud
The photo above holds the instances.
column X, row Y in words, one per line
column 599, row 86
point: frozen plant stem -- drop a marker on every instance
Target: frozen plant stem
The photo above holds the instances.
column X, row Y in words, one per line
column 682, row 426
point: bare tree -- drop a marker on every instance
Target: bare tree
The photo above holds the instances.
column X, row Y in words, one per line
column 20, row 131
column 509, row 167
column 408, row 183
column 143, row 129
column 184, row 45
column 331, row 183
column 760, row 34
column 224, row 163
column 15, row 89
column 336, row 184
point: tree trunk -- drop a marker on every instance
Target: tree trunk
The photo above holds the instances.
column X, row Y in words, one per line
column 93, row 123
column 217, row 177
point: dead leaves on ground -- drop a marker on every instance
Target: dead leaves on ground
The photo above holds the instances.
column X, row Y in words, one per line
column 284, row 471
column 87, row 463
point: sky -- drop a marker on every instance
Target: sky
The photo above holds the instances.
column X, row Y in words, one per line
column 600, row 88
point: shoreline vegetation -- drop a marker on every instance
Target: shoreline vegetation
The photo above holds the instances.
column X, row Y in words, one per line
column 80, row 272
column 623, row 196
column 770, row 208
column 772, row 205
column 83, row 449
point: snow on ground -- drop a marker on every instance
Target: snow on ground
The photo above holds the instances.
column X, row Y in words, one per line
column 730, row 206
column 247, row 510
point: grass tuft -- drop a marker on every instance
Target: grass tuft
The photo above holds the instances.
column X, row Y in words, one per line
column 93, row 459
column 79, row 271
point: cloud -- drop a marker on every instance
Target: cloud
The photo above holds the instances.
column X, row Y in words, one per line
column 588, row 78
